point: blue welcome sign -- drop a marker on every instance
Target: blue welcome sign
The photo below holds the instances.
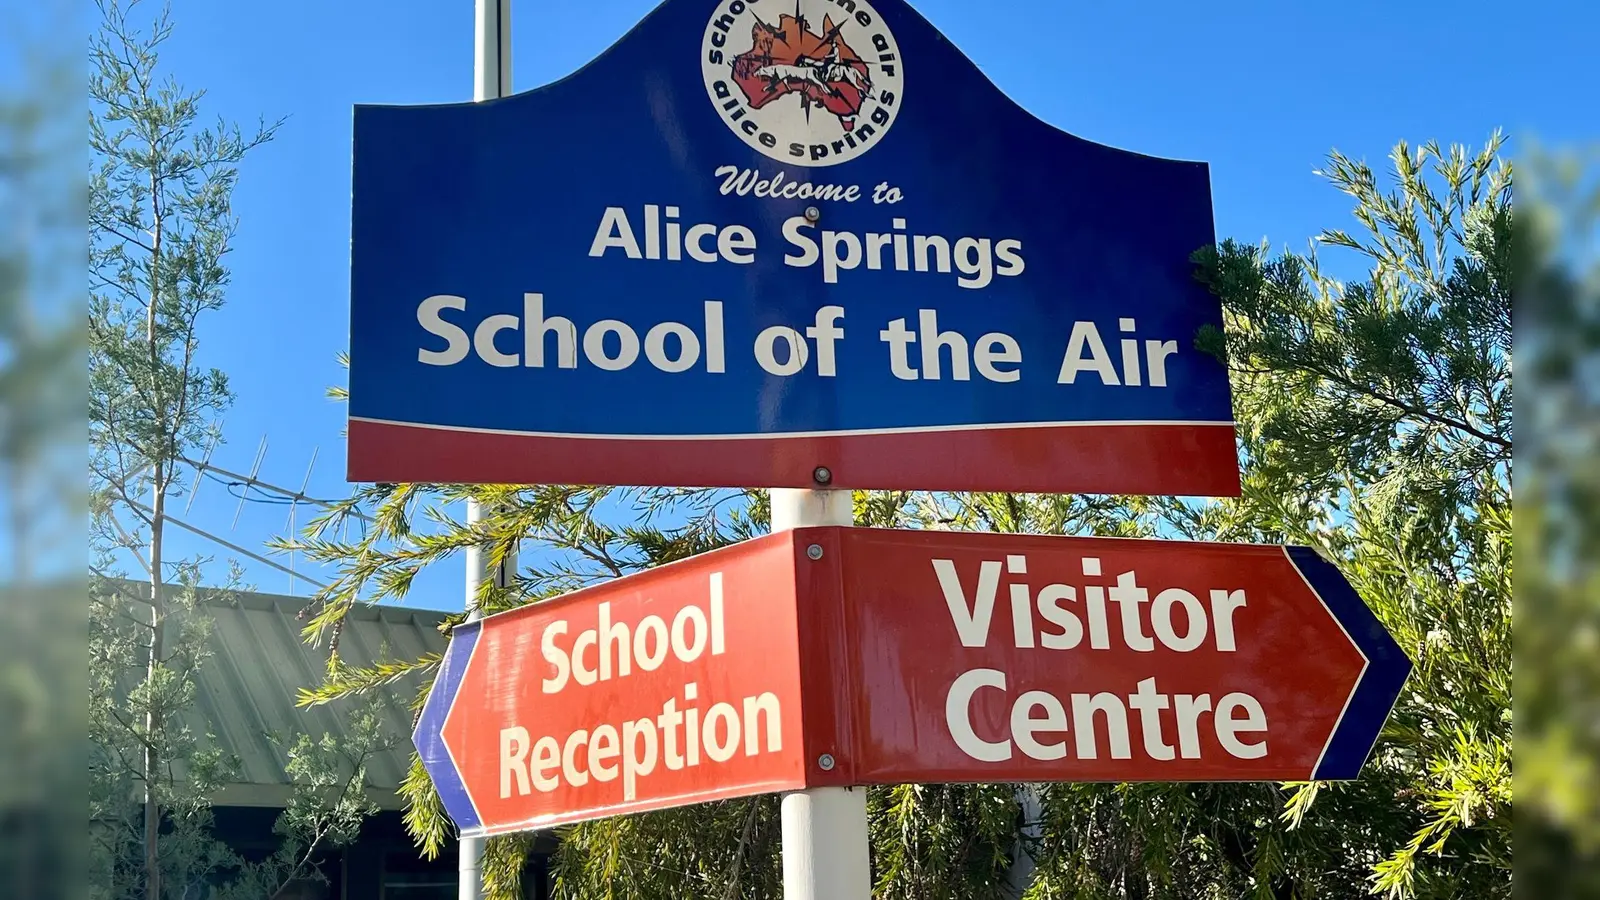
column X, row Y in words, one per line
column 778, row 243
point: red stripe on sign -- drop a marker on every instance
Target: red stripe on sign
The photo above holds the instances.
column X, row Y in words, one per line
column 1184, row 460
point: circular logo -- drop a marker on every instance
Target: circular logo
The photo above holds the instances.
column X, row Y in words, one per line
column 808, row 82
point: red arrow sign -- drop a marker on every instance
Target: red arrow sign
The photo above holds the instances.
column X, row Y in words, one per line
column 674, row 686
column 981, row 657
column 829, row 656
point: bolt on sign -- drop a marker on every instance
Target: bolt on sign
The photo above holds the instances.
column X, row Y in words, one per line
column 759, row 237
column 919, row 657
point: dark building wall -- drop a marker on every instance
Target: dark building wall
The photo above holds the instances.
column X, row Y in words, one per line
column 382, row 863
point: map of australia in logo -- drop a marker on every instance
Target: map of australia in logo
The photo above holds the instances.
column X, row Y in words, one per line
column 814, row 85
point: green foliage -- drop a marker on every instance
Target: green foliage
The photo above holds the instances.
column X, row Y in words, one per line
column 1375, row 425
column 1376, row 421
column 160, row 225
column 325, row 812
column 734, row 854
column 329, row 775
column 1402, row 381
column 937, row 840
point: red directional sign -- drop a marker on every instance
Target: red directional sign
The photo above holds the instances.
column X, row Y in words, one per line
column 985, row 657
column 673, row 686
column 829, row 656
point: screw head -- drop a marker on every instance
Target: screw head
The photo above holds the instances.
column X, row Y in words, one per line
column 825, row 762
column 814, row 551
column 813, row 214
column 821, row 475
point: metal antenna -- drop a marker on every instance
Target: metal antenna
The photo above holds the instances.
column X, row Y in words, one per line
column 250, row 489
column 284, row 492
column 294, row 504
column 199, row 471
column 255, row 469
column 196, row 530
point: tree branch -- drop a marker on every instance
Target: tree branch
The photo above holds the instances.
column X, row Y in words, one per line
column 732, row 890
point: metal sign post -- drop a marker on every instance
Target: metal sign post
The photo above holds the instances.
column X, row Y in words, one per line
column 491, row 79
column 825, row 843
column 469, row 877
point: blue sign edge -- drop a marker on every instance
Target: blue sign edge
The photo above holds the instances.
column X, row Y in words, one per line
column 909, row 7
column 1356, row 733
column 428, row 736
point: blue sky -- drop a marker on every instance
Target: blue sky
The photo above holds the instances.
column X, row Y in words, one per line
column 1262, row 91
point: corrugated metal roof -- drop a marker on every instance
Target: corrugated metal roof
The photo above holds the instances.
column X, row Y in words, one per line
column 258, row 666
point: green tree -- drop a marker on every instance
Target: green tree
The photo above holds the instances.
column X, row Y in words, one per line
column 1375, row 422
column 160, row 226
column 329, row 799
column 160, row 223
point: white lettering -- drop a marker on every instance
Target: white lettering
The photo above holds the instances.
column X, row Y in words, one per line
column 554, row 655
column 636, row 761
column 1024, row 726
column 721, row 750
column 655, row 347
column 682, row 647
column 456, row 343
column 993, row 349
column 766, row 352
column 1086, row 337
column 1195, row 615
column 971, row 619
column 825, row 332
column 594, row 345
column 1229, row 725
column 614, row 231
column 603, row 746
column 537, row 327
column 513, row 760
column 1223, row 605
column 958, row 715
column 483, row 340
column 808, row 247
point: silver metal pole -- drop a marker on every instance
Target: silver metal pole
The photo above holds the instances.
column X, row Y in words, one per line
column 470, row 868
column 491, row 49
column 824, row 829
column 491, row 79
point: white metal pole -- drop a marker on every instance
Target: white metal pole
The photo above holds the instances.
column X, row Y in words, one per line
column 469, row 852
column 491, row 79
column 469, row 874
column 824, row 829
